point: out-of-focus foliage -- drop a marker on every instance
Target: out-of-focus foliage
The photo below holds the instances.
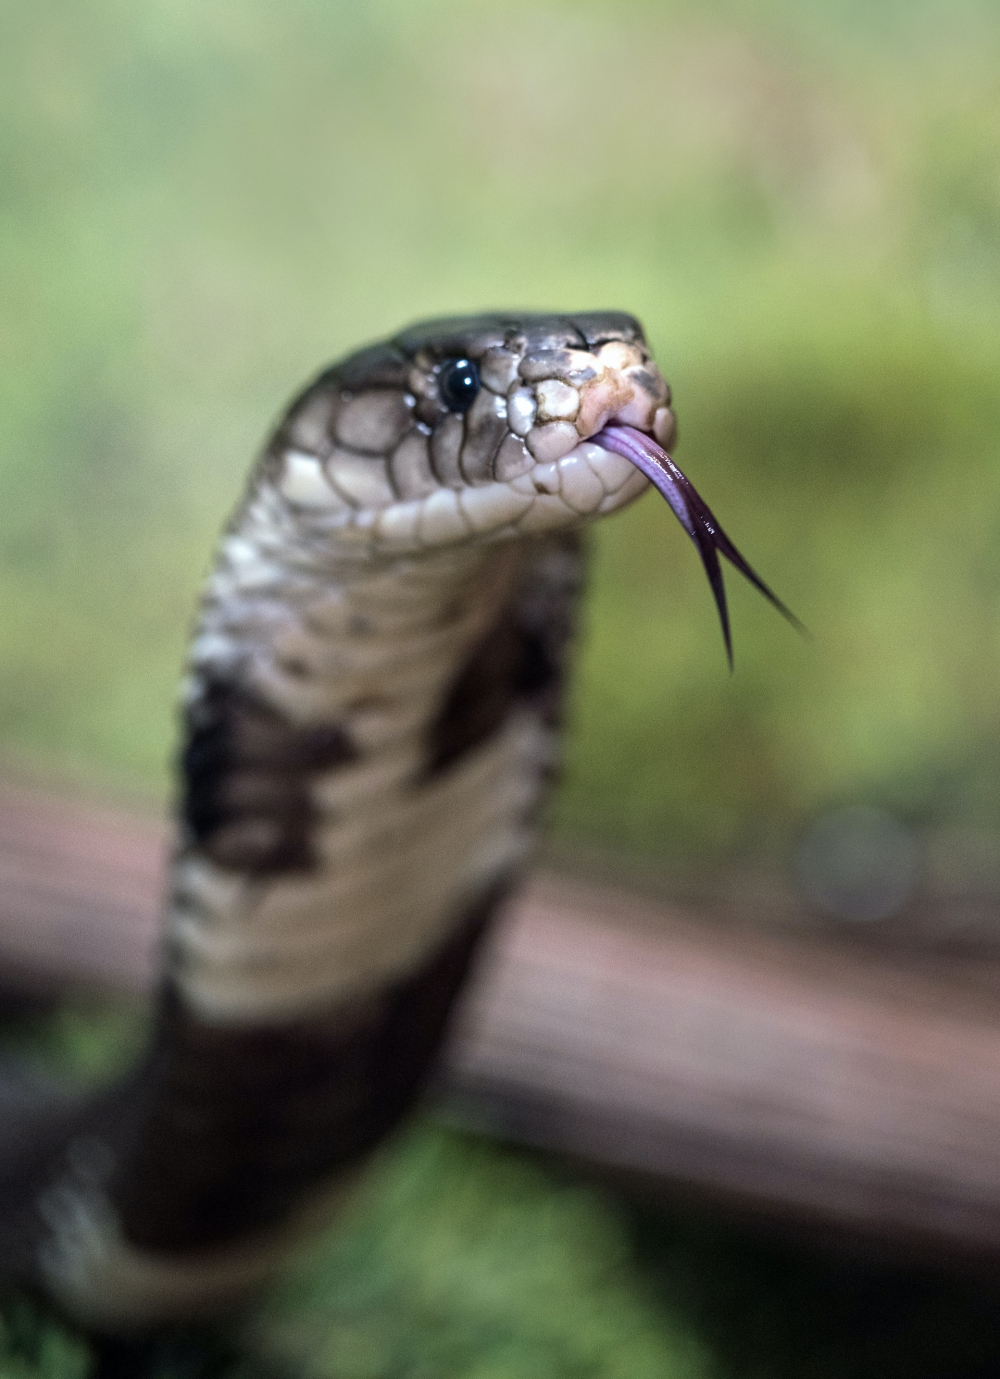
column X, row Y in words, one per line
column 36, row 1347
column 467, row 1261
column 201, row 202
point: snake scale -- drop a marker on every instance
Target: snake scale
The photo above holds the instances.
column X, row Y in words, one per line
column 371, row 717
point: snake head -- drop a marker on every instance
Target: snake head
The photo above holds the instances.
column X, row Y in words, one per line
column 485, row 428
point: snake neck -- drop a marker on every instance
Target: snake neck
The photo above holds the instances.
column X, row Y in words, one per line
column 365, row 751
column 367, row 748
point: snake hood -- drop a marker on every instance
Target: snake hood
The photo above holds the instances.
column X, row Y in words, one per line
column 485, row 428
column 371, row 726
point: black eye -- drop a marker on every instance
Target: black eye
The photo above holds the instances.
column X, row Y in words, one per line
column 458, row 383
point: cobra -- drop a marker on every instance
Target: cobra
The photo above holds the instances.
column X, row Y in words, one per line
column 371, row 714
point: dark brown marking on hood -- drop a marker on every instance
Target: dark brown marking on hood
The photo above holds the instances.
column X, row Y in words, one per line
column 519, row 660
column 246, row 776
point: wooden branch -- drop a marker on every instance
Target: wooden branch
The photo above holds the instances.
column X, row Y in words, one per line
column 79, row 892
column 799, row 1074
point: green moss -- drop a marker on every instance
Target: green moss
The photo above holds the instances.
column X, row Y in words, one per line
column 87, row 1040
column 35, row 1346
column 462, row 1258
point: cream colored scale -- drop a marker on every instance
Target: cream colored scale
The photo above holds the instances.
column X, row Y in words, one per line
column 398, row 864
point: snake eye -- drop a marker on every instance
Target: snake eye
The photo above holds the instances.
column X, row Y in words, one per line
column 458, row 383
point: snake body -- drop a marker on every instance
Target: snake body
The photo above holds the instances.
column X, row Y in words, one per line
column 371, row 717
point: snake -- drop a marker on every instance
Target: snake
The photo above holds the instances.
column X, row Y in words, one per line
column 371, row 718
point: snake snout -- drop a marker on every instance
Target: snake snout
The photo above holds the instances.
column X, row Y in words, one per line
column 564, row 396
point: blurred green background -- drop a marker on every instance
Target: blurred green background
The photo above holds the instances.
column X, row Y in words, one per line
column 201, row 202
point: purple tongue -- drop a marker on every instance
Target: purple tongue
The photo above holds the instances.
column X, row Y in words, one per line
column 692, row 513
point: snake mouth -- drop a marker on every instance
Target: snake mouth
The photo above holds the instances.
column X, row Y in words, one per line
column 694, row 515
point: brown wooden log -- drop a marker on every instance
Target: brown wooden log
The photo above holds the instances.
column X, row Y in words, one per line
column 80, row 888
column 798, row 1073
column 807, row 1078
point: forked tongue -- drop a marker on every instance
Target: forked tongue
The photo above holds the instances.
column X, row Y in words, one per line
column 694, row 516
